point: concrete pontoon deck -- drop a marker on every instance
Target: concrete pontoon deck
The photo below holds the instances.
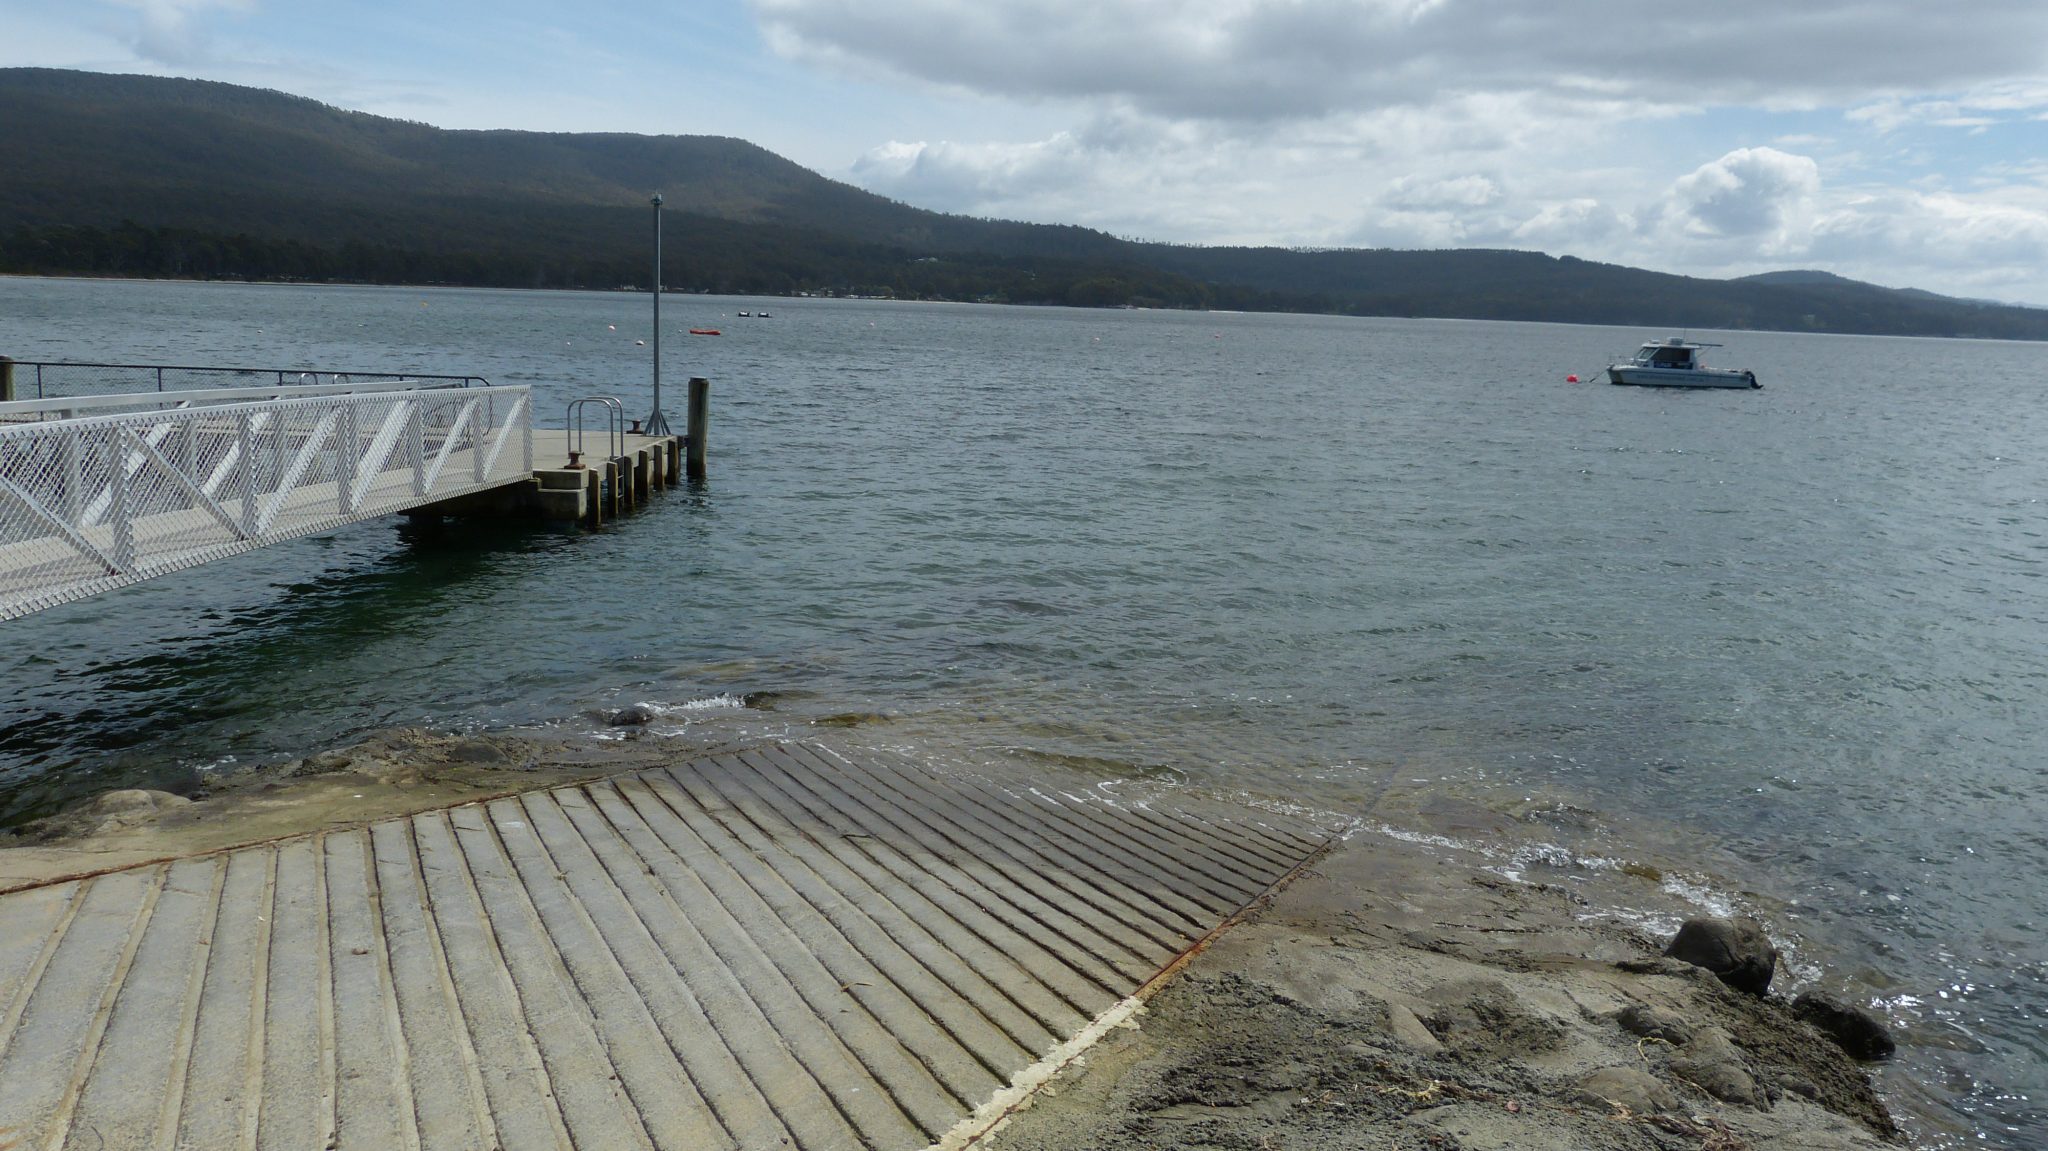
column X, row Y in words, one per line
column 794, row 947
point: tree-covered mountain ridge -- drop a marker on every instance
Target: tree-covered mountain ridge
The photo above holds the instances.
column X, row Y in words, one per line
column 109, row 174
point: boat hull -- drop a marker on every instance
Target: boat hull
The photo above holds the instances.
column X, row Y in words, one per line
column 1642, row 377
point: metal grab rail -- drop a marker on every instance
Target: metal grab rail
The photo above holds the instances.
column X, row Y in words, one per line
column 98, row 502
column 572, row 422
column 52, row 378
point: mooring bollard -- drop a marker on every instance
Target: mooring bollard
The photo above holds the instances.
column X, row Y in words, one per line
column 700, row 419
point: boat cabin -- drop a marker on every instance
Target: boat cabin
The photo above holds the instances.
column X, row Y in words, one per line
column 1672, row 353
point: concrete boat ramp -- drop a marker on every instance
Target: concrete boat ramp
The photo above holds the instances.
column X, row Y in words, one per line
column 795, row 947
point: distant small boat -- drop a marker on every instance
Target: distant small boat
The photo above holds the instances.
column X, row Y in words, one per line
column 758, row 315
column 744, row 315
column 705, row 332
column 1676, row 363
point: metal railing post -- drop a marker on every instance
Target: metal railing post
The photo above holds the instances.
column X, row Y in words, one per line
column 347, row 455
column 117, row 507
column 416, row 441
column 479, row 430
column 74, row 478
column 526, row 435
column 245, row 470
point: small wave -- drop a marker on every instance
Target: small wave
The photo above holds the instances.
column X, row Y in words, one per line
column 723, row 701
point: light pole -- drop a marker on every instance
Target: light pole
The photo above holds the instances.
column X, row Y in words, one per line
column 657, row 424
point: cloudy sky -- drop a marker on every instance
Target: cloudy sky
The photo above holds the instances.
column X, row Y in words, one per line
column 1899, row 141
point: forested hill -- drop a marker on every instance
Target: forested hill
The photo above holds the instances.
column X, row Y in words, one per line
column 146, row 176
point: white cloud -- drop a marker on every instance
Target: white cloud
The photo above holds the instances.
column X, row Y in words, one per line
column 1983, row 106
column 1414, row 192
column 170, row 32
column 1757, row 196
column 1581, row 224
column 972, row 178
column 1984, row 244
column 1263, row 60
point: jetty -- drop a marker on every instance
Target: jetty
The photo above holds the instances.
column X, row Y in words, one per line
column 799, row 946
column 111, row 474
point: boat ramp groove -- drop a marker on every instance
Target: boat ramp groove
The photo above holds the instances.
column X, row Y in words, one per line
column 793, row 947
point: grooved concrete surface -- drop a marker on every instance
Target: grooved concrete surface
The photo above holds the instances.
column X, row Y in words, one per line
column 785, row 948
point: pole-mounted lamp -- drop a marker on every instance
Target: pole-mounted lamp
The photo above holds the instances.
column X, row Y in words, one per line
column 657, row 424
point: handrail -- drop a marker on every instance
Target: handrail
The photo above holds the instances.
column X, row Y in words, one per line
column 97, row 502
column 150, row 377
column 66, row 406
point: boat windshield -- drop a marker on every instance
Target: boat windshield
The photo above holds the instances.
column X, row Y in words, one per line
column 1665, row 356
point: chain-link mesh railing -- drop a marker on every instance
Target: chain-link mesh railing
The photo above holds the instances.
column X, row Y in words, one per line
column 96, row 502
column 42, row 379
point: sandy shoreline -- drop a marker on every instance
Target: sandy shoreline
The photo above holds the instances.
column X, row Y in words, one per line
column 1401, row 993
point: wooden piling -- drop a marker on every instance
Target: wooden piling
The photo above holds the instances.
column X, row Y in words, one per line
column 6, row 379
column 699, row 422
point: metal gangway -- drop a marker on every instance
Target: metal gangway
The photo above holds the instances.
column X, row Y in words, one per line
column 103, row 490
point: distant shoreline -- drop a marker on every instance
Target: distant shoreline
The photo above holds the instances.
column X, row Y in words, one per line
column 673, row 293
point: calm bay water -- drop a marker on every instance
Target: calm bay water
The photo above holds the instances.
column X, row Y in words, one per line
column 1300, row 557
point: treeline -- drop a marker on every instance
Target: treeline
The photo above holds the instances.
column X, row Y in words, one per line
column 700, row 255
column 1485, row 284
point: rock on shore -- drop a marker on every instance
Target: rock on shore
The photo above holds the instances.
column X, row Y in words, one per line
column 1397, row 999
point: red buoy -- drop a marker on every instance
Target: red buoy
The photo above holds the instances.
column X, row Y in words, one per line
column 1571, row 379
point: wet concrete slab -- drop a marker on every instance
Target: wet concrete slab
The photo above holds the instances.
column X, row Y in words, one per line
column 794, row 946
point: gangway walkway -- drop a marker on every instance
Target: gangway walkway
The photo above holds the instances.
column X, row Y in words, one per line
column 797, row 948
column 97, row 492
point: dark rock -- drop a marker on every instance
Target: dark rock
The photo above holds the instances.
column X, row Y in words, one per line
column 108, row 811
column 133, row 800
column 321, row 763
column 1638, row 1091
column 1484, row 1016
column 1724, row 1079
column 1717, row 1066
column 1713, row 1063
column 476, row 751
column 1799, row 1085
column 850, row 719
column 639, row 715
column 1736, row 950
column 1410, row 1031
column 1854, row 1030
column 1653, row 1023
column 1658, row 966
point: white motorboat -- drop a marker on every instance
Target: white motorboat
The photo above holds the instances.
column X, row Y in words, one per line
column 1676, row 363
